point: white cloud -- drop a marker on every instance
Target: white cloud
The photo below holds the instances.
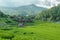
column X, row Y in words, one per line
column 47, row 3
column 2, row 3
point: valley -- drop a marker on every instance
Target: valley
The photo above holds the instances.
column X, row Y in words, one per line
column 32, row 24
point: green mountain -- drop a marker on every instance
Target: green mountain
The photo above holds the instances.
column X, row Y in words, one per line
column 22, row 10
column 52, row 14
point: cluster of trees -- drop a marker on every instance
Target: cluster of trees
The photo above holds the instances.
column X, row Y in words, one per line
column 15, row 20
column 52, row 14
column 23, row 18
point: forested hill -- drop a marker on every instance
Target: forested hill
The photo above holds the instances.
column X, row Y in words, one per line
column 2, row 15
column 52, row 14
column 5, row 20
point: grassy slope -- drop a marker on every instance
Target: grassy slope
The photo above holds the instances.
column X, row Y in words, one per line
column 40, row 31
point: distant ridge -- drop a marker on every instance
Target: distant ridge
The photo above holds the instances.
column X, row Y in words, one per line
column 22, row 10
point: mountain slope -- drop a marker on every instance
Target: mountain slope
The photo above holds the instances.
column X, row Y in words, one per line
column 22, row 10
column 52, row 14
column 5, row 20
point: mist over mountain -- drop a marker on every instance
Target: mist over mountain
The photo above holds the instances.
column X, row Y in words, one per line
column 22, row 10
column 25, row 7
column 40, row 3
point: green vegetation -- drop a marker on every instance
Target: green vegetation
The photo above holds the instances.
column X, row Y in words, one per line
column 6, row 21
column 52, row 14
column 39, row 31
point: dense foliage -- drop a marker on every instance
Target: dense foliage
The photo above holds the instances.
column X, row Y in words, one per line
column 52, row 14
column 6, row 21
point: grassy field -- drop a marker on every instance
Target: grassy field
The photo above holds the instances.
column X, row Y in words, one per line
column 39, row 31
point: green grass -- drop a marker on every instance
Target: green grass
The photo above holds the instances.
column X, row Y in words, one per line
column 39, row 31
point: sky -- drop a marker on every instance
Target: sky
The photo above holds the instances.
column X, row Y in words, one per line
column 16, row 3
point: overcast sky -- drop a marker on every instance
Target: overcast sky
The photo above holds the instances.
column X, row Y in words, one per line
column 16, row 3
